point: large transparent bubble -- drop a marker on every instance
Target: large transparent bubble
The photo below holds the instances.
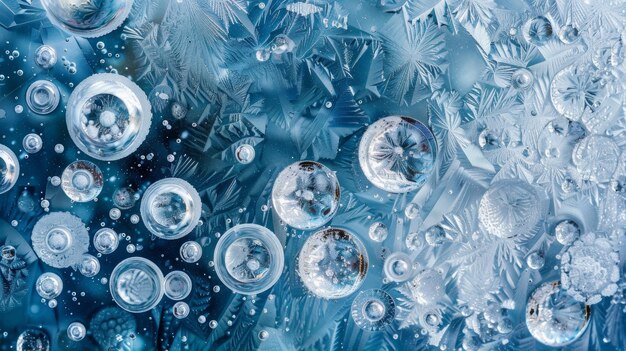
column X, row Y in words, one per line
column 9, row 169
column 108, row 116
column 33, row 340
column 397, row 154
column 60, row 239
column 87, row 18
column 136, row 284
column 82, row 181
column 332, row 263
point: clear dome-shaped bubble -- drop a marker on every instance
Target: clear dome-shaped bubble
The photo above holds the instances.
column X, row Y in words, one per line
column 49, row 285
column 511, row 207
column 136, row 284
column 106, row 240
column 397, row 154
column 378, row 232
column 180, row 310
column 125, row 198
column 306, row 195
column 245, row 153
column 558, row 139
column 108, row 116
column 398, row 267
column 82, row 181
column 596, row 157
column 373, row 309
column 538, row 31
column 190, row 252
column 522, row 79
column 171, row 208
column 42, row 97
column 89, row 265
column 332, row 263
column 89, row 18
column 76, row 331
column 566, row 231
column 9, row 169
column 249, row 259
column 32, row 143
column 428, row 287
column 555, row 318
column 177, row 285
column 33, row 340
column 60, row 239
column 574, row 90
column 45, row 57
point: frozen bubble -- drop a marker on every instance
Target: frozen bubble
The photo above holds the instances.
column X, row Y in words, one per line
column 111, row 325
column 555, row 318
column 89, row 266
column 179, row 111
column 33, row 340
column 332, row 263
column 134, row 219
column 435, row 235
column 9, row 169
column 108, row 116
column 125, row 198
column 522, row 79
column 190, row 252
column 538, row 31
column 596, row 158
column 42, row 97
column 378, row 232
column 249, row 259
column 566, row 231
column 397, row 154
column 427, row 287
column 569, row 34
column 171, row 208
column 535, row 260
column 136, row 284
column 574, row 90
column 177, row 285
column 32, row 143
column 180, row 310
column 49, row 285
column 306, row 195
column 115, row 213
column 88, row 19
column 82, row 181
column 398, row 267
column 60, row 239
column 59, row 148
column 245, row 153
column 558, row 139
column 45, row 56
column 76, row 331
column 373, row 309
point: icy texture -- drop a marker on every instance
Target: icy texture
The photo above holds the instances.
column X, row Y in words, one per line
column 9, row 169
column 60, row 239
column 136, row 284
column 82, row 181
column 89, row 18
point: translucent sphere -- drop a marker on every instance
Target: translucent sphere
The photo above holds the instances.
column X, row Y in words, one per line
column 510, row 207
column 332, row 263
column 569, row 34
column 596, row 157
column 555, row 318
column 397, row 154
column 89, row 266
column 428, row 287
column 171, row 208
column 191, row 252
column 45, row 56
column 373, row 309
column 538, row 31
column 42, row 97
column 124, row 198
column 136, row 284
column 574, row 90
column 245, row 153
column 60, row 239
column 108, row 116
column 88, row 19
column 82, row 181
column 181, row 310
column 398, row 267
column 535, row 260
column 76, row 331
column 378, row 232
column 106, row 240
column 33, row 340
column 49, row 285
column 522, row 79
column 32, row 143
column 9, row 169
column 435, row 235
column 177, row 285
column 249, row 259
column 306, row 195
column 566, row 231
column 558, row 139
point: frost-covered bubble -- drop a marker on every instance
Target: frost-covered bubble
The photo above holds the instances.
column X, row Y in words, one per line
column 569, row 34
column 435, row 235
column 115, row 213
column 49, row 285
column 332, row 263
column 590, row 269
column 76, row 331
column 574, row 90
column 108, row 116
column 398, row 267
column 89, row 265
column 88, row 19
column 60, row 239
column 554, row 318
column 245, row 153
column 179, row 111
column 136, row 284
column 9, row 169
column 171, row 208
column 511, row 207
column 112, row 325
column 373, row 309
column 42, row 97
column 249, row 259
column 124, row 198
column 180, row 310
column 82, row 181
column 412, row 241
column 522, row 79
column 596, row 157
column 33, row 340
column 177, row 285
column 59, row 148
column 427, row 287
column 538, row 31
column 566, row 231
column 397, row 154
column 306, row 195
column 32, row 143
column 106, row 240
column 535, row 260
column 378, row 232
column 558, row 139
column 190, row 252
column 45, row 56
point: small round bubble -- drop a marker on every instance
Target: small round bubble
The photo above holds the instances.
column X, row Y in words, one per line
column 76, row 331
column 190, row 252
column 32, row 143
column 177, row 285
column 49, row 285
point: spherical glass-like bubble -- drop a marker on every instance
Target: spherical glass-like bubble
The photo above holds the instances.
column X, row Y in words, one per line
column 177, row 285
column 398, row 267
column 522, row 79
column 33, row 340
column 42, row 97
column 171, row 208
column 566, row 231
column 108, row 116
column 332, row 263
column 9, row 169
column 397, row 154
column 76, row 331
column 180, row 310
column 32, row 143
column 245, row 153
column 89, row 266
column 569, row 34
column 45, row 56
column 136, row 284
column 82, row 181
column 538, row 31
column 555, row 318
column 558, row 139
column 373, row 309
column 510, row 207
column 378, row 232
column 306, row 195
column 49, row 285
column 574, row 90
column 535, row 260
column 106, row 240
column 249, row 259
column 427, row 287
column 60, row 239
column 124, row 198
column 596, row 157
column 88, row 19
column 191, row 252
